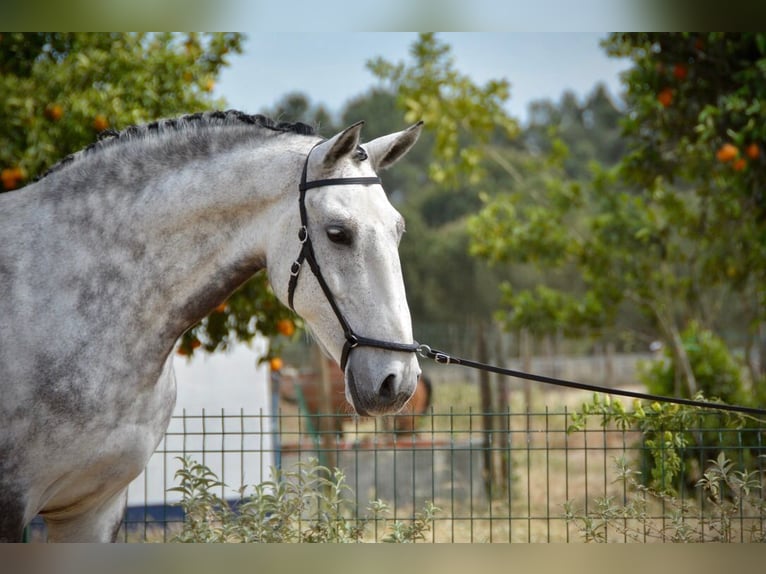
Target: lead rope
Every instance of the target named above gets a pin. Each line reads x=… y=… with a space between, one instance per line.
x=446 y=359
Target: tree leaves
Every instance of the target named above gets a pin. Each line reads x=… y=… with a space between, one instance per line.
x=462 y=115
x=54 y=86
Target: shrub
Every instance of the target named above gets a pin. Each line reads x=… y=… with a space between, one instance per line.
x=716 y=370
x=719 y=376
x=730 y=494
x=310 y=503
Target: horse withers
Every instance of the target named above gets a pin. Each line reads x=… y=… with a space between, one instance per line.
x=110 y=256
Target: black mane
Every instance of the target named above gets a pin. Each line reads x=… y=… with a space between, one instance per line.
x=200 y=119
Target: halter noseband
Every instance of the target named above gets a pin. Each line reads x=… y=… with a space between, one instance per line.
x=307 y=253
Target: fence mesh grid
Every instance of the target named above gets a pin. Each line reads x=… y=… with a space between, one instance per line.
x=533 y=478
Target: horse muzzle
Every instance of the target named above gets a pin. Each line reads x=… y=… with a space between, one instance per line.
x=374 y=395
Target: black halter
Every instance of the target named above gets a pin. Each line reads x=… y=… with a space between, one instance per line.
x=307 y=253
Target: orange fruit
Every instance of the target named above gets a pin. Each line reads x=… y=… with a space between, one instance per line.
x=753 y=151
x=11 y=177
x=275 y=363
x=286 y=327
x=726 y=153
x=739 y=164
x=221 y=308
x=54 y=112
x=208 y=85
x=665 y=97
x=100 y=123
x=680 y=72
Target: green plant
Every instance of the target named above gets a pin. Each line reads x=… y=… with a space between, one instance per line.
x=675 y=439
x=310 y=503
x=719 y=375
x=716 y=370
x=663 y=428
x=730 y=494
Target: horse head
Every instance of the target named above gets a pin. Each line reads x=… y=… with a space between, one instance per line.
x=354 y=302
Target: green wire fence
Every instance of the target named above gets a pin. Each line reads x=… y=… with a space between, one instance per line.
x=533 y=477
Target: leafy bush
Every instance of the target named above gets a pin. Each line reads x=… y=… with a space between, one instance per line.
x=675 y=439
x=720 y=376
x=730 y=495
x=716 y=370
x=308 y=504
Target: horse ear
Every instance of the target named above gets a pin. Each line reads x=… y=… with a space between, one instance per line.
x=340 y=145
x=385 y=151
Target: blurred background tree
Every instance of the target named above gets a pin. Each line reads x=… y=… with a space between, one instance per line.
x=58 y=91
x=676 y=228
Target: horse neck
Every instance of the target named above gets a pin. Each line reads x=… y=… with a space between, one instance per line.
x=174 y=245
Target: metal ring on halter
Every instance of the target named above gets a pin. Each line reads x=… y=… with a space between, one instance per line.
x=295 y=268
x=424 y=351
x=352 y=340
x=438 y=356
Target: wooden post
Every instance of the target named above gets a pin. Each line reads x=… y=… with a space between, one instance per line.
x=326 y=424
x=525 y=350
x=609 y=379
x=504 y=432
x=485 y=393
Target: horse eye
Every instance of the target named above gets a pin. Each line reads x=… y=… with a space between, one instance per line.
x=339 y=234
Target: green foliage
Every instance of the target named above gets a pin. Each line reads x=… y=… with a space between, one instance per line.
x=308 y=504
x=675 y=229
x=716 y=370
x=729 y=493
x=252 y=309
x=585 y=132
x=463 y=116
x=58 y=91
x=691 y=96
x=719 y=375
x=675 y=438
x=464 y=125
x=662 y=427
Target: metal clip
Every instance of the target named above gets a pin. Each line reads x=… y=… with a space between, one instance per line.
x=303 y=234
x=352 y=340
x=428 y=353
x=295 y=268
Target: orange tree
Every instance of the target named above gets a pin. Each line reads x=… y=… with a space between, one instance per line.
x=678 y=228
x=58 y=91
x=705 y=142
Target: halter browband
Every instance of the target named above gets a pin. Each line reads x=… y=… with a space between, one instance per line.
x=307 y=253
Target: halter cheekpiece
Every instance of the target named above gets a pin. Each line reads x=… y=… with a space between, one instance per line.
x=307 y=254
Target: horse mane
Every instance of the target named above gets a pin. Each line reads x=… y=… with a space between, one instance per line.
x=110 y=137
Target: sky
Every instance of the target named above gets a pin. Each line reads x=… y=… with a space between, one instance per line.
x=330 y=67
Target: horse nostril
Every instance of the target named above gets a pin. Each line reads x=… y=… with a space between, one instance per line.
x=387 y=390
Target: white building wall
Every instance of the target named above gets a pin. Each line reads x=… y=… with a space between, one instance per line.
x=232 y=391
